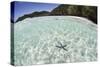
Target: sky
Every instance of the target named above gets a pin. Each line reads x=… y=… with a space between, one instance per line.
x=21 y=8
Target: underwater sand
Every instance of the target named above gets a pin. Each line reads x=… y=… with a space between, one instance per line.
x=54 y=39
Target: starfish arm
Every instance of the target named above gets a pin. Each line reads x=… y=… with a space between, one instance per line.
x=58 y=46
x=65 y=49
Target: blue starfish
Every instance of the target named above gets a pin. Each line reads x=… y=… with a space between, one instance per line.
x=62 y=46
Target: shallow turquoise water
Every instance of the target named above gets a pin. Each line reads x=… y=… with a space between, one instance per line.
x=35 y=40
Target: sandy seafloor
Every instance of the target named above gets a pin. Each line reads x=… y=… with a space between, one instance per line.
x=38 y=40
